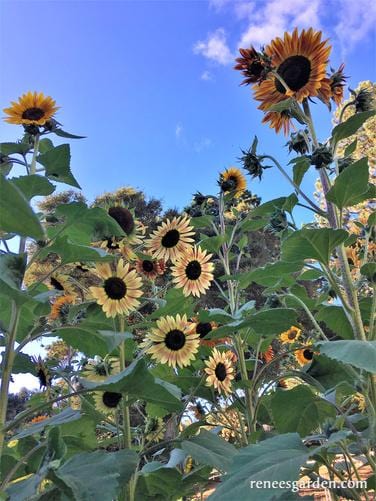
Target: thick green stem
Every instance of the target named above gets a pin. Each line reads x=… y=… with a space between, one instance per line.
x=33 y=165
x=244 y=376
x=7 y=364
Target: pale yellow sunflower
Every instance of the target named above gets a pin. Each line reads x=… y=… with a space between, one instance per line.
x=99 y=370
x=171 y=238
x=232 y=180
x=291 y=335
x=150 y=268
x=31 y=108
x=192 y=271
x=134 y=230
x=172 y=342
x=203 y=329
x=107 y=401
x=304 y=355
x=220 y=371
x=120 y=290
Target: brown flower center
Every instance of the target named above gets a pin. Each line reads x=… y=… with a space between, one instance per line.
x=292 y=334
x=175 y=340
x=123 y=217
x=111 y=399
x=115 y=288
x=308 y=354
x=203 y=328
x=220 y=371
x=33 y=114
x=170 y=239
x=193 y=270
x=147 y=265
x=295 y=71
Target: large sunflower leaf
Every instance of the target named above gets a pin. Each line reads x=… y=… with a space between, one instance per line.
x=95 y=476
x=278 y=458
x=71 y=252
x=335 y=318
x=351 y=125
x=351 y=186
x=360 y=354
x=56 y=161
x=33 y=185
x=312 y=244
x=313 y=410
x=16 y=215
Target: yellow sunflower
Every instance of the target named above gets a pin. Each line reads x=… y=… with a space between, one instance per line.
x=172 y=342
x=120 y=290
x=193 y=272
x=304 y=355
x=32 y=108
x=99 y=370
x=220 y=371
x=278 y=121
x=171 y=238
x=300 y=61
x=232 y=181
x=205 y=328
x=268 y=355
x=107 y=401
x=360 y=401
x=151 y=268
x=291 y=335
x=60 y=306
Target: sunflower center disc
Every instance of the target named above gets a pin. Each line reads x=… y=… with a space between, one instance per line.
x=147 y=265
x=33 y=114
x=220 y=372
x=292 y=335
x=175 y=340
x=171 y=238
x=111 y=399
x=203 y=329
x=193 y=270
x=111 y=244
x=123 y=217
x=115 y=288
x=295 y=71
x=308 y=354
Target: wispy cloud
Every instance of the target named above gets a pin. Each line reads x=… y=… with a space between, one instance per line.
x=202 y=144
x=207 y=75
x=215 y=47
x=178 y=130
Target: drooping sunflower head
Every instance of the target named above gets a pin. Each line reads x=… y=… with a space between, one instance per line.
x=134 y=230
x=291 y=335
x=193 y=271
x=42 y=372
x=107 y=401
x=150 y=267
x=220 y=371
x=120 y=290
x=32 y=108
x=172 y=341
x=232 y=181
x=171 y=239
x=304 y=355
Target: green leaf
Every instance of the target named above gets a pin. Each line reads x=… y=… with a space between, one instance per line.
x=16 y=215
x=175 y=302
x=139 y=384
x=268 y=208
x=329 y=373
x=312 y=244
x=65 y=416
x=351 y=186
x=369 y=270
x=271 y=322
x=278 y=458
x=351 y=125
x=61 y=133
x=95 y=476
x=286 y=104
x=335 y=318
x=72 y=253
x=56 y=444
x=290 y=203
x=301 y=166
x=349 y=150
x=212 y=244
x=201 y=221
x=45 y=144
x=56 y=161
x=90 y=341
x=300 y=410
x=23 y=364
x=209 y=449
x=271 y=275
x=360 y=354
x=11 y=148
x=33 y=185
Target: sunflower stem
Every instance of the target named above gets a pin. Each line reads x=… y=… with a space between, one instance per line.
x=35 y=153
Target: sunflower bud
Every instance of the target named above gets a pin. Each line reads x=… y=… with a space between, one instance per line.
x=252 y=164
x=298 y=142
x=363 y=100
x=199 y=198
x=31 y=129
x=321 y=157
x=51 y=124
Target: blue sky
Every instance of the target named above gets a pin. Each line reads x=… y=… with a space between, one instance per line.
x=151 y=84
x=152 y=87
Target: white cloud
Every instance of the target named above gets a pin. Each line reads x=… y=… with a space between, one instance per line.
x=215 y=47
x=203 y=144
x=206 y=75
x=218 y=4
x=178 y=130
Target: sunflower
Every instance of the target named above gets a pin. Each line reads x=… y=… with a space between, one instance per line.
x=220 y=371
x=268 y=355
x=332 y=87
x=39 y=419
x=193 y=271
x=278 y=121
x=171 y=238
x=172 y=342
x=203 y=329
x=60 y=307
x=107 y=401
x=32 y=108
x=42 y=372
x=360 y=401
x=117 y=246
x=154 y=430
x=133 y=229
x=61 y=283
x=290 y=335
x=252 y=65
x=304 y=355
x=151 y=268
x=232 y=181
x=120 y=290
x=99 y=370
x=289 y=383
